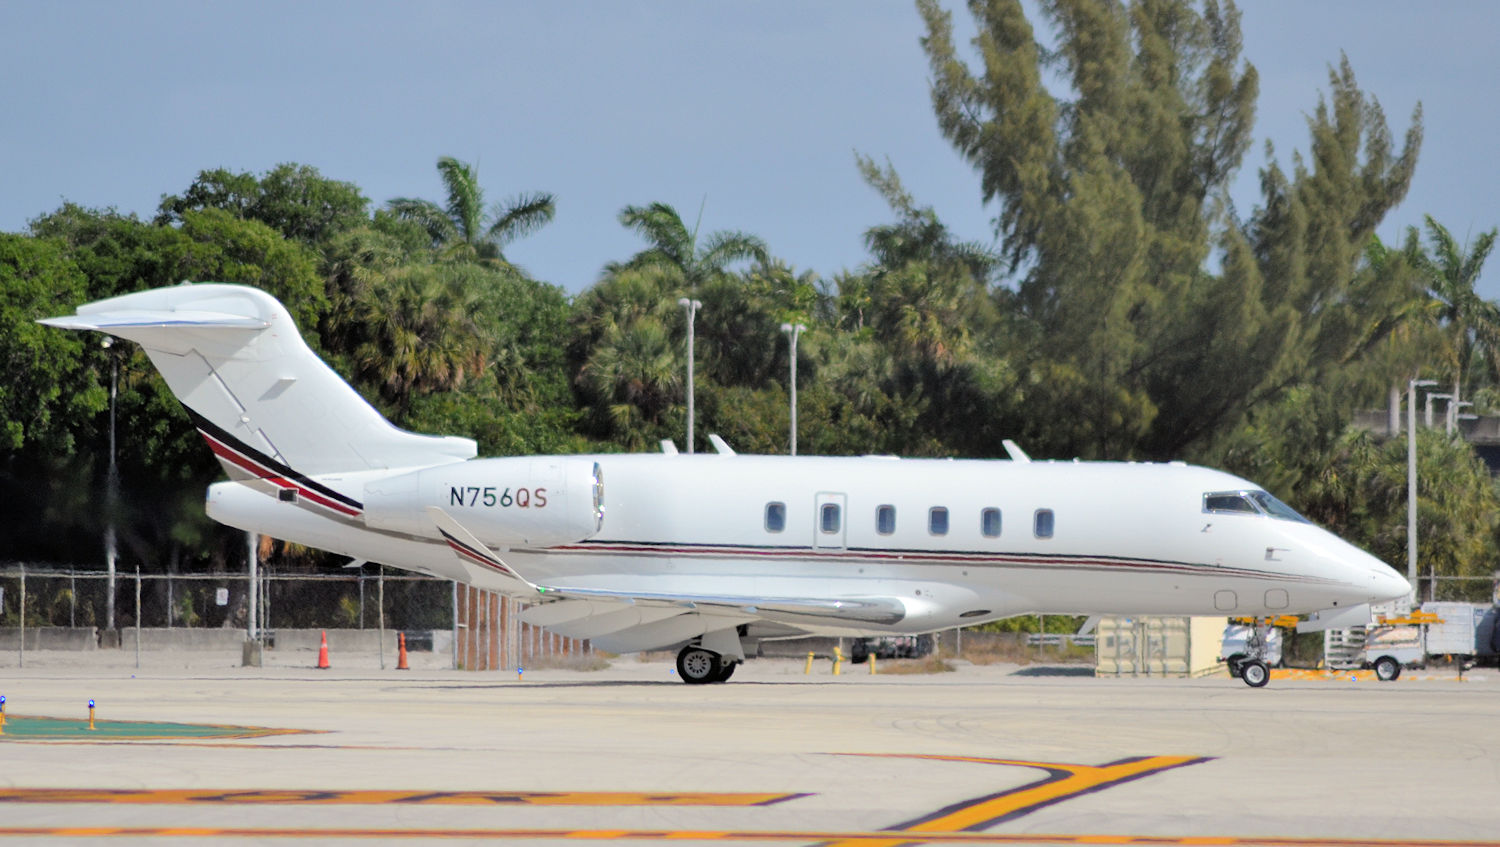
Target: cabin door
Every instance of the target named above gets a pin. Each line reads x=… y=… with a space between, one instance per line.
x=830 y=521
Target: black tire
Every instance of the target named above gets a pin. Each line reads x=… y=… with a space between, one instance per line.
x=1255 y=673
x=1387 y=668
x=859 y=653
x=697 y=666
x=726 y=671
x=1235 y=662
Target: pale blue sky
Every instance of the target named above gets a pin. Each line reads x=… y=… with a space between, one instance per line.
x=755 y=107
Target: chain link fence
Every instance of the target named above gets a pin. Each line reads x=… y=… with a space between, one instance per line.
x=356 y=600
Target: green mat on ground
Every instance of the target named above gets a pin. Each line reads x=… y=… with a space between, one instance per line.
x=22 y=728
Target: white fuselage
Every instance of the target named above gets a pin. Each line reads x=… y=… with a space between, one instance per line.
x=1126 y=538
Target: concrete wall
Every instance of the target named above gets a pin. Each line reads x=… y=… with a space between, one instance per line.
x=185 y=640
x=50 y=638
x=182 y=639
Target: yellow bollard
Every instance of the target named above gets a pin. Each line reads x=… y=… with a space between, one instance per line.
x=91 y=715
x=872 y=664
x=807 y=670
x=838 y=658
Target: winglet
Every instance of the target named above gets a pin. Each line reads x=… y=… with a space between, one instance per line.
x=472 y=550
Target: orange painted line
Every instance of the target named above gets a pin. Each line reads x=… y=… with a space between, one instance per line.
x=1063 y=781
x=279 y=797
x=857 y=837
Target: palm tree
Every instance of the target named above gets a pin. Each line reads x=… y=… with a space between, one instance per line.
x=420 y=335
x=1472 y=322
x=674 y=246
x=463 y=228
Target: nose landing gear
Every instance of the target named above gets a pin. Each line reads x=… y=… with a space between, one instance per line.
x=1250 y=666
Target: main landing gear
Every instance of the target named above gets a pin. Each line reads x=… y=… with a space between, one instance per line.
x=697 y=666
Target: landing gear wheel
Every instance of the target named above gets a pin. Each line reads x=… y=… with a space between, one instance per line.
x=1255 y=673
x=697 y=666
x=1387 y=668
x=727 y=671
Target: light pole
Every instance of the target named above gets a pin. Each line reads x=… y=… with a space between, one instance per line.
x=1455 y=414
x=1411 y=482
x=792 y=331
x=691 y=307
x=111 y=490
x=1427 y=413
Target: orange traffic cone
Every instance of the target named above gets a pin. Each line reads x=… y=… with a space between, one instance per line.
x=401 y=653
x=323 y=652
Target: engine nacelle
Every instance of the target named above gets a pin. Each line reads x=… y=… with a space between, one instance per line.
x=515 y=502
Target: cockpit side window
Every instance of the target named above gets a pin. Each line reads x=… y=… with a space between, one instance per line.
x=1252 y=502
x=1275 y=508
x=1230 y=502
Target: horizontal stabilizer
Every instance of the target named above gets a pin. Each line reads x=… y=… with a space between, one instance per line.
x=234 y=358
x=130 y=318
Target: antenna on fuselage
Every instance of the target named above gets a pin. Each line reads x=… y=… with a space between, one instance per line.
x=668 y=447
x=1014 y=451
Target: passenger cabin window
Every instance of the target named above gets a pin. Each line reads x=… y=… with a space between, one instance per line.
x=989 y=523
x=885 y=520
x=775 y=517
x=828 y=519
x=937 y=520
x=1043 y=523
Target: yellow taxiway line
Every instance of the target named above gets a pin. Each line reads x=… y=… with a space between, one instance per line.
x=281 y=797
x=862 y=838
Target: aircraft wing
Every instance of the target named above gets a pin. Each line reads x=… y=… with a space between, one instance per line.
x=789 y=610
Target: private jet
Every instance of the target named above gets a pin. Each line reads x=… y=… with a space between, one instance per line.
x=710 y=554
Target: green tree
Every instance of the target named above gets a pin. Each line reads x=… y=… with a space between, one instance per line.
x=47 y=395
x=462 y=228
x=1113 y=199
x=1470 y=322
x=676 y=247
x=295 y=200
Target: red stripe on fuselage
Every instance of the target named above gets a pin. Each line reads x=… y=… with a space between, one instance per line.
x=234 y=457
x=936 y=557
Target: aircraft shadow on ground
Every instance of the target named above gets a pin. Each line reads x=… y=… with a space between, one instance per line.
x=1056 y=670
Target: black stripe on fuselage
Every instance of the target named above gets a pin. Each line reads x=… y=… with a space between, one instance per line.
x=210 y=428
x=951 y=558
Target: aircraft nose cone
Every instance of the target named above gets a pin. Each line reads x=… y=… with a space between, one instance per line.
x=1386 y=584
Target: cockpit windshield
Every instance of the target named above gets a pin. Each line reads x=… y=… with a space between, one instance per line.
x=1251 y=502
x=1275 y=508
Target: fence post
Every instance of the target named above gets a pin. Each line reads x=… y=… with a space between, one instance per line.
x=138 y=617
x=21 y=658
x=252 y=543
x=381 y=602
x=455 y=618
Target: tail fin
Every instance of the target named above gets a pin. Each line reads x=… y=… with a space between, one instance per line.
x=233 y=357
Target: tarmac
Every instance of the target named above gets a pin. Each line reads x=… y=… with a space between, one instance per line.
x=995 y=754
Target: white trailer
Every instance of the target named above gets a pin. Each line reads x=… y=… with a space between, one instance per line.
x=1464 y=631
